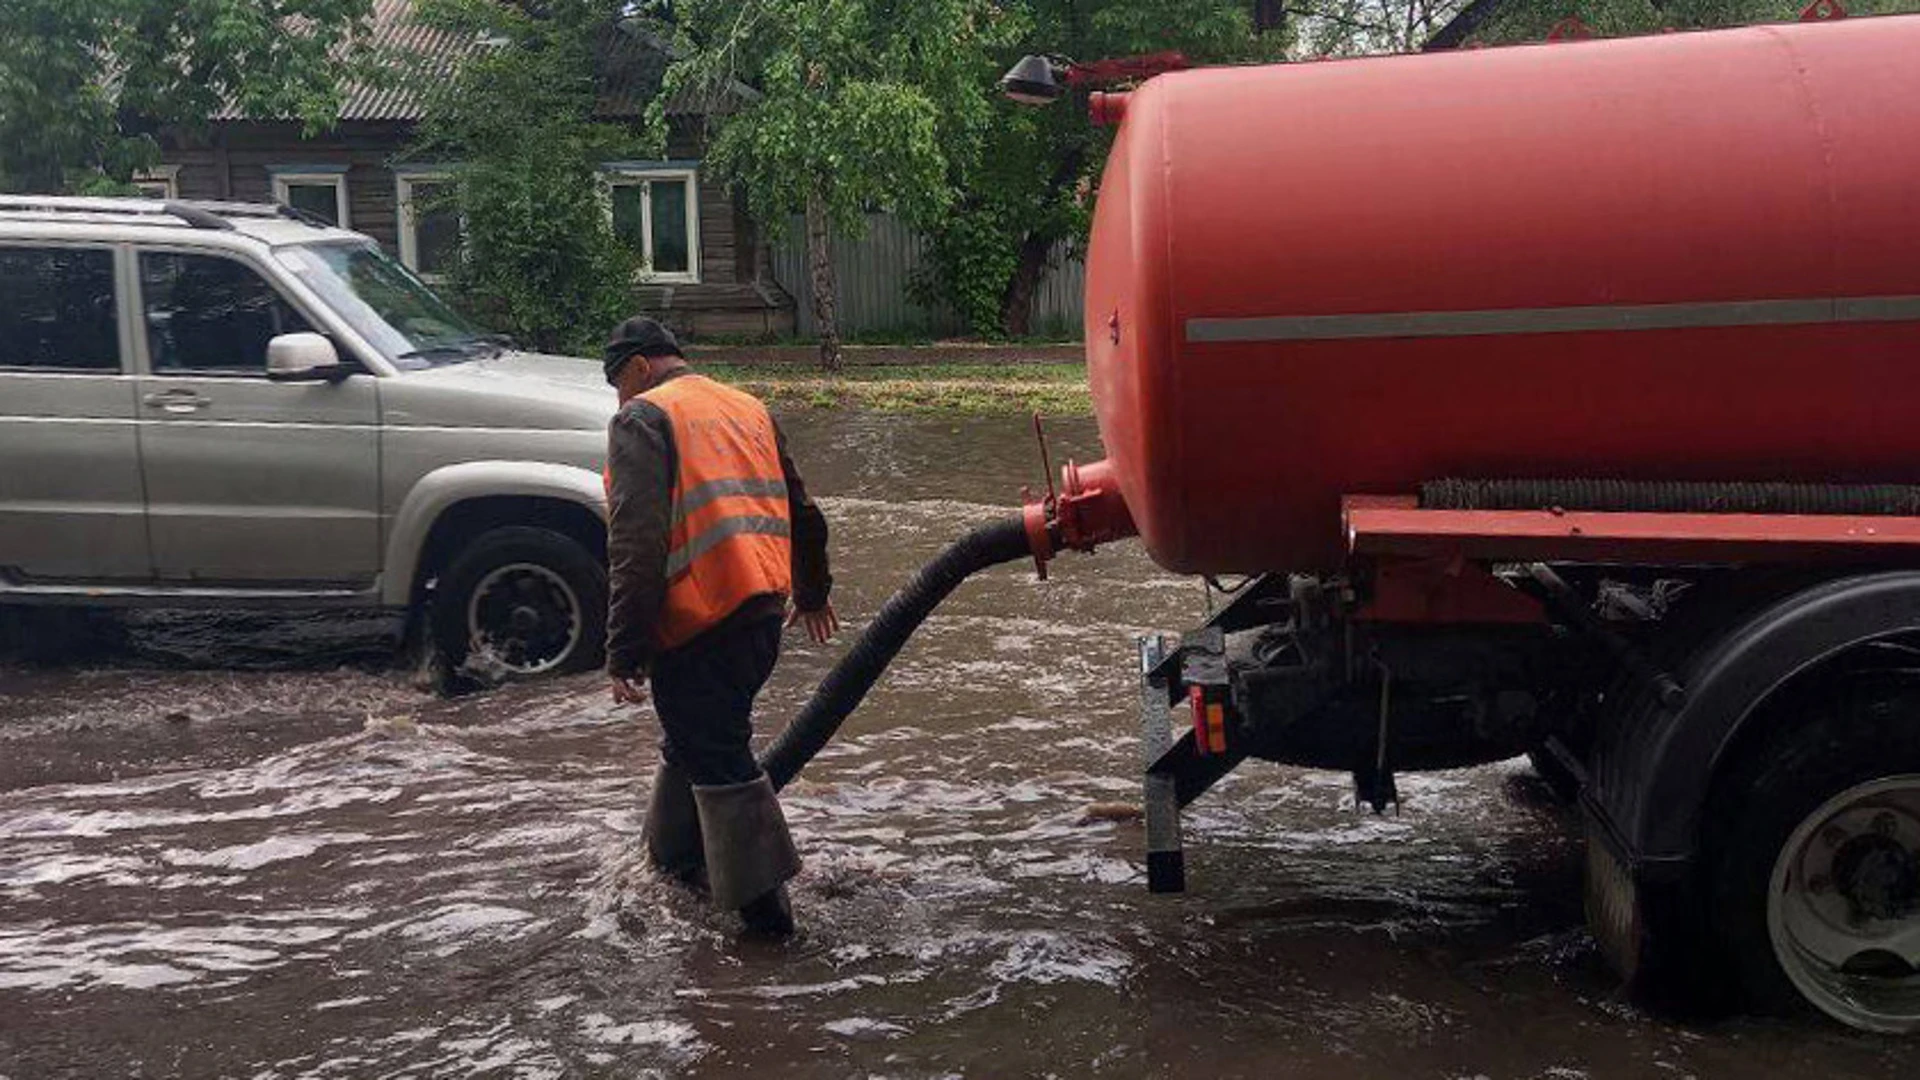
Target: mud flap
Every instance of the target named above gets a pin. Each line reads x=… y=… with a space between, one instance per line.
x=1166 y=862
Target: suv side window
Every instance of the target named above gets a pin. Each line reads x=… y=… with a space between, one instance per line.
x=57 y=310
x=209 y=314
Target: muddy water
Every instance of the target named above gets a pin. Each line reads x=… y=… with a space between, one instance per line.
x=244 y=847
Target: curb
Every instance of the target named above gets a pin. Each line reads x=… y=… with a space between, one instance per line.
x=892 y=355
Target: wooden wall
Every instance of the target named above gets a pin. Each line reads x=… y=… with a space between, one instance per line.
x=736 y=294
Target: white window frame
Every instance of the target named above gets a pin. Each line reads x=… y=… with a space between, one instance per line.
x=167 y=176
x=623 y=175
x=405 y=224
x=335 y=178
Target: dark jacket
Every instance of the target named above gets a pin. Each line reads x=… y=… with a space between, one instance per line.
x=643 y=463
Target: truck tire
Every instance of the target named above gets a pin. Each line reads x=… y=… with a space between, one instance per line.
x=1813 y=864
x=521 y=602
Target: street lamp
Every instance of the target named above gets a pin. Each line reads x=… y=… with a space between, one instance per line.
x=1042 y=80
x=1033 y=81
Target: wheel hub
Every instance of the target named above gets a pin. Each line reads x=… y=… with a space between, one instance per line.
x=1878 y=878
x=1843 y=911
x=525 y=618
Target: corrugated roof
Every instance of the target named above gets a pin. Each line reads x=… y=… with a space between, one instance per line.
x=628 y=68
x=396 y=31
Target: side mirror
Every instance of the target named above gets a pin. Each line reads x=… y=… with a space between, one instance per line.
x=303 y=357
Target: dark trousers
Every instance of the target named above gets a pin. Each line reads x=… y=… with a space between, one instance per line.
x=704 y=695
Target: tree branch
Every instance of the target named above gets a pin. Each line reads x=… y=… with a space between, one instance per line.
x=1462 y=25
x=1347 y=21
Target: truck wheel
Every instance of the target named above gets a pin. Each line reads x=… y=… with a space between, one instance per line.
x=1817 y=868
x=521 y=602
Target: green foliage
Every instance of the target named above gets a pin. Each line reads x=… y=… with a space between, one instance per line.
x=1028 y=174
x=538 y=257
x=1533 y=19
x=1356 y=27
x=854 y=100
x=86 y=84
x=854 y=106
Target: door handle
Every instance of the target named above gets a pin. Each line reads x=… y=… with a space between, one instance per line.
x=179 y=400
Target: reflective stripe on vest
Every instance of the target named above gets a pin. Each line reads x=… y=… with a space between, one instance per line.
x=731 y=530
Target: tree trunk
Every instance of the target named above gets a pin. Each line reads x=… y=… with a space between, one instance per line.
x=1016 y=304
x=826 y=296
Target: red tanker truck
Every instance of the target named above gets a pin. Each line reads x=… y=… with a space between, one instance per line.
x=1560 y=400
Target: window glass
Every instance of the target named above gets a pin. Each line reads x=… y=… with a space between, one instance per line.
x=387 y=305
x=206 y=313
x=669 y=226
x=57 y=309
x=322 y=200
x=436 y=227
x=650 y=217
x=629 y=216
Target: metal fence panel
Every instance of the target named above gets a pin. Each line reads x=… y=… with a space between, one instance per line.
x=875 y=269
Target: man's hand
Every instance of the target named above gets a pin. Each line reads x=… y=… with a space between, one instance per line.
x=821 y=625
x=629 y=691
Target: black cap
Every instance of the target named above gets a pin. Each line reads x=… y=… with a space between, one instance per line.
x=638 y=336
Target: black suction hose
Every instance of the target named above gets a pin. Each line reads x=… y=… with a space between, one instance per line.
x=844 y=687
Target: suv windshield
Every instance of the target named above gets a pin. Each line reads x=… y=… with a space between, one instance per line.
x=391 y=308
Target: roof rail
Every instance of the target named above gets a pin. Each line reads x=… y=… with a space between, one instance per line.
x=198 y=217
x=70 y=204
x=236 y=209
x=194 y=213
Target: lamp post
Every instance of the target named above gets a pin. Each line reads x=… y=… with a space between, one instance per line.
x=1042 y=80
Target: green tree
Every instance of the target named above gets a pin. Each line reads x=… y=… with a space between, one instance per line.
x=857 y=106
x=1027 y=179
x=85 y=85
x=1354 y=27
x=538 y=258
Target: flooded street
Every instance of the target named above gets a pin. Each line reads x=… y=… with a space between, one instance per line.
x=250 y=847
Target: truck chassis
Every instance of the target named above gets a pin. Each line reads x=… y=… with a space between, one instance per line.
x=1733 y=698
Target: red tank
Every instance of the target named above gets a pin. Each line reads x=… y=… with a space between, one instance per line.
x=1687 y=257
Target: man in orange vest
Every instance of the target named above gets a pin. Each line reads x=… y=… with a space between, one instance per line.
x=710 y=537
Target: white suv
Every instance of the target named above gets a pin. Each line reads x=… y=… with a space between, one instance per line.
x=212 y=403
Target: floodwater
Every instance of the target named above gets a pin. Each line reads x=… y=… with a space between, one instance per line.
x=250 y=847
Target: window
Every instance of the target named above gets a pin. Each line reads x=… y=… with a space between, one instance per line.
x=57 y=310
x=387 y=305
x=656 y=212
x=210 y=314
x=161 y=182
x=317 y=190
x=429 y=223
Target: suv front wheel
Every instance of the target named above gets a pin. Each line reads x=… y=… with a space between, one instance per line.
x=521 y=602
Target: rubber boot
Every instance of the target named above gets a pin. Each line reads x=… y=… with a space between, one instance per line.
x=672 y=828
x=750 y=853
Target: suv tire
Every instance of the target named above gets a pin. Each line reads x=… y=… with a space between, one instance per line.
x=533 y=600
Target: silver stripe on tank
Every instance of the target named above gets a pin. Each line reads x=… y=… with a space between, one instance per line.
x=1556 y=320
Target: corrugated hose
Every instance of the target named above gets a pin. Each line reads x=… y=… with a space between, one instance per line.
x=847 y=684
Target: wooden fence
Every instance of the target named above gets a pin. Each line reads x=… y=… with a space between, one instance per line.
x=874 y=271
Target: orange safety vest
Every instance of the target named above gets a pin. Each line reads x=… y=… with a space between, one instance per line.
x=731 y=538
